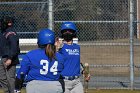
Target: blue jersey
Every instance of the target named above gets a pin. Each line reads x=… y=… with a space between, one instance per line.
x=37 y=66
x=72 y=60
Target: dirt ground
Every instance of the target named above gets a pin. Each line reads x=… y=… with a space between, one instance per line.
x=99 y=91
x=109 y=55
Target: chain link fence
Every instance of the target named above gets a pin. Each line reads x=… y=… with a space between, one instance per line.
x=29 y=16
x=104 y=34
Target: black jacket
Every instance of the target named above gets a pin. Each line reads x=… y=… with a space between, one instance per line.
x=12 y=45
x=2 y=45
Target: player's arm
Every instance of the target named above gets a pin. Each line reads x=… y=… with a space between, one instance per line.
x=81 y=68
x=25 y=63
x=19 y=83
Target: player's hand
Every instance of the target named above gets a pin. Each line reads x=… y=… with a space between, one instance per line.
x=87 y=78
x=19 y=82
x=8 y=62
x=86 y=72
x=58 y=43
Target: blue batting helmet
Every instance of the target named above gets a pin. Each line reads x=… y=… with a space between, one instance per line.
x=68 y=25
x=46 y=36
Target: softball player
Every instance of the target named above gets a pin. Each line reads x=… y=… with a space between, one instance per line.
x=71 y=51
x=42 y=66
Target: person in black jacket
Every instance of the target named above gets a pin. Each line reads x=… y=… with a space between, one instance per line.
x=11 y=51
x=3 y=79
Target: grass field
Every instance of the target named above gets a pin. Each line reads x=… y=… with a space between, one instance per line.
x=100 y=91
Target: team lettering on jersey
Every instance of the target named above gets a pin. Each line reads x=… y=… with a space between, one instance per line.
x=72 y=51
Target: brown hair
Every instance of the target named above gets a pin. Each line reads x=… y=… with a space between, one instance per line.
x=50 y=51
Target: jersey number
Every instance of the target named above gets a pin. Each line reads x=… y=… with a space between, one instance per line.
x=45 y=69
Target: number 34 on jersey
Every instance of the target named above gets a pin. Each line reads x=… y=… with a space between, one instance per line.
x=46 y=68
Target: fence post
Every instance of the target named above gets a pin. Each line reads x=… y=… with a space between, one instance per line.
x=50 y=15
x=131 y=43
x=138 y=18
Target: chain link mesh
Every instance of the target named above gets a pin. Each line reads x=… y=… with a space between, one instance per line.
x=29 y=16
x=104 y=34
x=95 y=18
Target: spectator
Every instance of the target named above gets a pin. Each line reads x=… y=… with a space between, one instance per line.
x=10 y=60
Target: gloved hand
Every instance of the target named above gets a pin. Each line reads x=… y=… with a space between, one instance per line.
x=19 y=82
x=86 y=72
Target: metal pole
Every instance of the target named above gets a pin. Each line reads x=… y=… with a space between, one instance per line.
x=131 y=43
x=50 y=15
x=138 y=25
